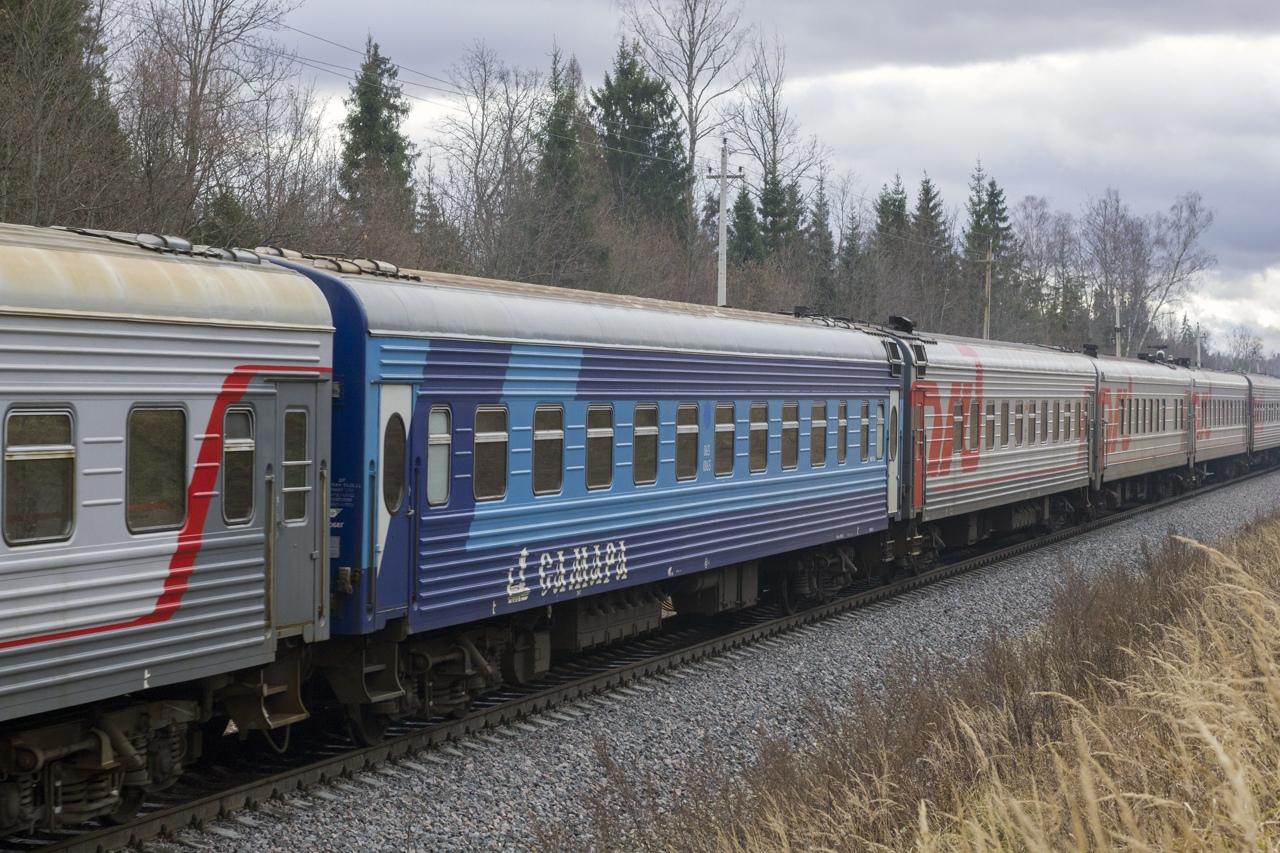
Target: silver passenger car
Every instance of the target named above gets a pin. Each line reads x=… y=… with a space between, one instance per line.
x=165 y=432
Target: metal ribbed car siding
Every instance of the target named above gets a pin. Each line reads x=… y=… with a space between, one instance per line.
x=1266 y=392
x=1141 y=452
x=968 y=370
x=1217 y=441
x=74 y=624
x=470 y=555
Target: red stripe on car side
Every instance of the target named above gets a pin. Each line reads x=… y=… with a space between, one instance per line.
x=199 y=494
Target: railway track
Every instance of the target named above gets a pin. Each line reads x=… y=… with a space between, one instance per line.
x=325 y=763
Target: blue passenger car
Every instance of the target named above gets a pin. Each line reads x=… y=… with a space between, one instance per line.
x=499 y=447
x=547 y=456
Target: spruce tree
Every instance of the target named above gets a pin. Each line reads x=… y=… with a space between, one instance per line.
x=563 y=225
x=891 y=217
x=560 y=151
x=65 y=158
x=781 y=212
x=1013 y=305
x=377 y=158
x=639 y=128
x=745 y=243
x=821 y=251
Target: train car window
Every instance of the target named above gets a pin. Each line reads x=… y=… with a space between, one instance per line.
x=1005 y=424
x=818 y=435
x=155 y=485
x=296 y=465
x=393 y=462
x=975 y=424
x=1044 y=421
x=1079 y=420
x=724 y=439
x=865 y=431
x=548 y=450
x=893 y=434
x=758 y=451
x=790 y=435
x=238 y=451
x=644 y=443
x=990 y=425
x=687 y=441
x=957 y=427
x=880 y=431
x=842 y=433
x=1017 y=423
x=1057 y=421
x=439 y=455
x=489 y=456
x=39 y=477
x=599 y=446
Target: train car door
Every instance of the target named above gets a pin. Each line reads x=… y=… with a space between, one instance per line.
x=894 y=436
x=394 y=547
x=920 y=449
x=296 y=509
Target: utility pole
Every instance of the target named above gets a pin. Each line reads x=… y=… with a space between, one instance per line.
x=1198 y=364
x=722 y=298
x=986 y=315
x=1118 y=351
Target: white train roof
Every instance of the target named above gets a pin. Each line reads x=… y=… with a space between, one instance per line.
x=1220 y=379
x=955 y=351
x=449 y=306
x=53 y=272
x=1115 y=369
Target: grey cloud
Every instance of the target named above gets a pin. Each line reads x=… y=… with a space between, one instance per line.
x=946 y=32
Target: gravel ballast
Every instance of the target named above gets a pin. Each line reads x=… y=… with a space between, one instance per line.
x=488 y=792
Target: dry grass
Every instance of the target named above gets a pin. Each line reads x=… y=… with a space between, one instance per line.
x=1145 y=715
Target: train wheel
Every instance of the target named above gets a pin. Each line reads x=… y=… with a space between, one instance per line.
x=131 y=800
x=364 y=725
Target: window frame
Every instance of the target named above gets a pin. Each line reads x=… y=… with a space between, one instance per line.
x=239 y=445
x=438 y=439
x=758 y=438
x=601 y=438
x=305 y=465
x=130 y=461
x=548 y=435
x=817 y=445
x=791 y=435
x=490 y=437
x=687 y=440
x=722 y=451
x=20 y=453
x=648 y=433
x=842 y=432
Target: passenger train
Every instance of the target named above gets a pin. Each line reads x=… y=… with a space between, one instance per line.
x=240 y=486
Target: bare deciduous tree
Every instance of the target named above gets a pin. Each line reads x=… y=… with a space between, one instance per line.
x=761 y=123
x=194 y=84
x=1049 y=263
x=1145 y=266
x=488 y=156
x=692 y=45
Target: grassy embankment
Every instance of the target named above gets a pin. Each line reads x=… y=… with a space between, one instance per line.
x=1145 y=715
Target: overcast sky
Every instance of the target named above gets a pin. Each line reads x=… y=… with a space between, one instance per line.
x=1064 y=100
